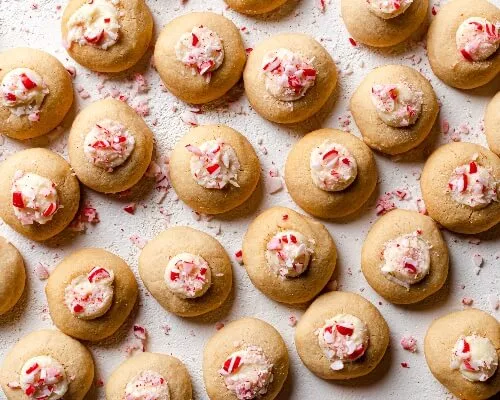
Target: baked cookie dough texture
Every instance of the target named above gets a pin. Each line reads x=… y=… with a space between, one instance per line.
x=341 y=336
x=90 y=294
x=383 y=23
x=150 y=376
x=47 y=364
x=460 y=183
x=404 y=257
x=463 y=41
x=36 y=93
x=187 y=271
x=330 y=173
x=492 y=124
x=462 y=351
x=39 y=196
x=107 y=35
x=12 y=276
x=289 y=257
x=110 y=146
x=214 y=169
x=200 y=56
x=289 y=77
x=253 y=7
x=395 y=108
x=247 y=359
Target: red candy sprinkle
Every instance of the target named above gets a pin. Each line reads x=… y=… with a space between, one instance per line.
x=411 y=267
x=98 y=275
x=344 y=330
x=30 y=390
x=464 y=177
x=51 y=209
x=330 y=153
x=293 y=239
x=96 y=39
x=468 y=366
x=352 y=41
x=17 y=200
x=11 y=97
x=212 y=168
x=174 y=276
x=78 y=308
x=195 y=40
x=130 y=208
x=466 y=55
x=466 y=348
x=107 y=20
x=236 y=364
x=472 y=167
x=27 y=82
x=357 y=353
x=32 y=369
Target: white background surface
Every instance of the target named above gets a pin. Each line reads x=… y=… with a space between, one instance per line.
x=22 y=24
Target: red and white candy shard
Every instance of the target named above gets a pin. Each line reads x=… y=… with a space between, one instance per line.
x=43 y=377
x=477 y=38
x=343 y=338
x=34 y=198
x=188 y=275
x=247 y=373
x=147 y=385
x=96 y=23
x=90 y=296
x=387 y=9
x=288 y=75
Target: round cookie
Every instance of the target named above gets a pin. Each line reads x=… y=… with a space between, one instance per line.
x=200 y=56
x=248 y=357
x=213 y=169
x=110 y=147
x=341 y=336
x=289 y=257
x=492 y=124
x=150 y=374
x=455 y=347
x=395 y=108
x=459 y=185
x=187 y=271
x=107 y=36
x=404 y=257
x=90 y=294
x=12 y=276
x=461 y=54
x=48 y=353
x=289 y=77
x=253 y=7
x=380 y=23
x=330 y=173
x=39 y=196
x=36 y=93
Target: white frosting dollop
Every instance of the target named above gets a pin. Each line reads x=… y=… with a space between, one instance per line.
x=397 y=105
x=23 y=91
x=387 y=9
x=95 y=23
x=188 y=275
x=343 y=339
x=333 y=167
x=90 y=296
x=475 y=357
x=406 y=259
x=43 y=377
x=288 y=75
x=288 y=253
x=247 y=373
x=473 y=185
x=34 y=198
x=201 y=50
x=477 y=38
x=108 y=144
x=147 y=385
x=214 y=164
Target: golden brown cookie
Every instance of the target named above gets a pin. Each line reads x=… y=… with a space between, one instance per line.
x=288 y=256
x=395 y=108
x=380 y=23
x=461 y=51
x=36 y=93
x=214 y=168
x=459 y=185
x=341 y=336
x=187 y=271
x=247 y=357
x=330 y=173
x=289 y=77
x=107 y=36
x=404 y=257
x=12 y=276
x=90 y=294
x=492 y=124
x=39 y=196
x=200 y=56
x=110 y=147
x=462 y=351
x=150 y=376
x=43 y=354
x=253 y=7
